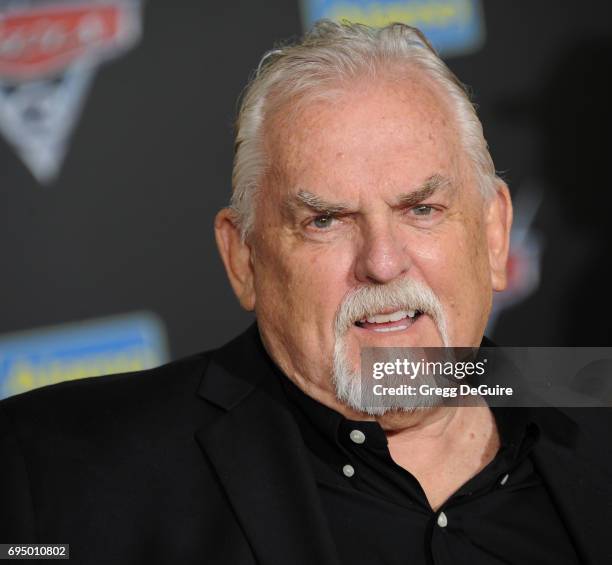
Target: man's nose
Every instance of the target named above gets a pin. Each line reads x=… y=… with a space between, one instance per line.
x=383 y=255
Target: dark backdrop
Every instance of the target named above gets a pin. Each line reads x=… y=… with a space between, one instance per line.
x=127 y=224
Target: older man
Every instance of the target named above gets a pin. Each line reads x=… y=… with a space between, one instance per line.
x=365 y=212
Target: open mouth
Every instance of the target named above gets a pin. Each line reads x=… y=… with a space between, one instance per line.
x=390 y=322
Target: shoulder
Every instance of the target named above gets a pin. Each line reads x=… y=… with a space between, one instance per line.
x=594 y=424
x=150 y=401
x=585 y=431
x=104 y=441
x=87 y=405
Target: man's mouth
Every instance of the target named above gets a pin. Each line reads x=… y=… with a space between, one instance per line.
x=391 y=321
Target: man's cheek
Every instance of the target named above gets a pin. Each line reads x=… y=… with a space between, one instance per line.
x=431 y=246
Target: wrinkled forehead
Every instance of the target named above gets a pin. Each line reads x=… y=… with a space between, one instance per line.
x=394 y=131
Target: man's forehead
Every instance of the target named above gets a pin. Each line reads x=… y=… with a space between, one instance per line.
x=337 y=151
x=415 y=102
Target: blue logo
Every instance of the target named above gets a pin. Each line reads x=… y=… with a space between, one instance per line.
x=117 y=344
x=453 y=27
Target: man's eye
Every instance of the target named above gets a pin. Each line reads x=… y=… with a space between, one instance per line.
x=322 y=222
x=422 y=210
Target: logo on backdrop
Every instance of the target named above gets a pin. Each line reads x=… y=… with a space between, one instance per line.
x=453 y=27
x=49 y=52
x=100 y=346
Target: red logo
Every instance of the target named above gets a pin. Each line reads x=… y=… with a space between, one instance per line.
x=46 y=41
x=43 y=41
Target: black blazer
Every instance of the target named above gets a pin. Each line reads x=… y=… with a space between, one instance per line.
x=199 y=461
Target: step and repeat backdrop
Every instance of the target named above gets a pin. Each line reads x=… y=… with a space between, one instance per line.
x=116 y=148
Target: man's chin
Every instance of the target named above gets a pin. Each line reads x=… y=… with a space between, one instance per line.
x=349 y=381
x=390 y=417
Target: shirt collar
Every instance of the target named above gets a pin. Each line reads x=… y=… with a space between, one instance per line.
x=517 y=430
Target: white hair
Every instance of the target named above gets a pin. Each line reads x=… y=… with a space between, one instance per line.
x=326 y=57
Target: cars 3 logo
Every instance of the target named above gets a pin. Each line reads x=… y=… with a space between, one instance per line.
x=49 y=52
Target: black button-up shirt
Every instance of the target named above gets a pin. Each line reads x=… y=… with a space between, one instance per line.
x=378 y=512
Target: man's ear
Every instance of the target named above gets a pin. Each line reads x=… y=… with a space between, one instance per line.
x=499 y=223
x=236 y=256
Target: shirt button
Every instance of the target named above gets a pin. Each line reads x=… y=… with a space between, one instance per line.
x=348 y=470
x=504 y=479
x=442 y=520
x=357 y=436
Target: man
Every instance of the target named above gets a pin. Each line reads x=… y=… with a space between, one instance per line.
x=365 y=212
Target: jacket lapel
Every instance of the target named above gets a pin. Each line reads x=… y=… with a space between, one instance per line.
x=579 y=489
x=259 y=456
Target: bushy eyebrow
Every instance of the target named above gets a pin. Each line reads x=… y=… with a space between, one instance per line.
x=313 y=202
x=305 y=199
x=427 y=189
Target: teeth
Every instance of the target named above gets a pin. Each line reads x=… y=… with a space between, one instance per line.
x=393 y=317
x=394 y=329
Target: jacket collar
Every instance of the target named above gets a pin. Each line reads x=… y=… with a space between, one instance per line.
x=578 y=487
x=256 y=449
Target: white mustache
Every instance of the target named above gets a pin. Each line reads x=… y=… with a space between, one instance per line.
x=365 y=301
x=400 y=294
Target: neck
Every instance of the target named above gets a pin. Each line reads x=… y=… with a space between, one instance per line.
x=431 y=423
